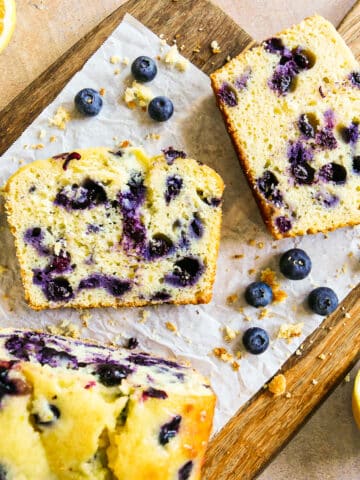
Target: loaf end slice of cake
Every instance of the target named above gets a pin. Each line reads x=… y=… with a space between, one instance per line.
x=98 y=228
x=74 y=410
x=292 y=109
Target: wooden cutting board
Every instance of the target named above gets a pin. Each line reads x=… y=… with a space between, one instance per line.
x=264 y=424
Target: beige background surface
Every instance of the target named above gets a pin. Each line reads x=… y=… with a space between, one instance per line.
x=328 y=447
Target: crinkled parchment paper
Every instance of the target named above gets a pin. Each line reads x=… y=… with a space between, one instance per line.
x=197 y=128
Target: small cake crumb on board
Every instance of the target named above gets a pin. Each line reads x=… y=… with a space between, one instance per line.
x=277 y=386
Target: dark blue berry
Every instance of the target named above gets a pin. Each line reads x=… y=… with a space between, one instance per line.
x=58 y=290
x=295 y=264
x=171 y=154
x=161 y=296
x=185 y=471
x=227 y=94
x=132 y=343
x=258 y=294
x=196 y=226
x=356 y=164
x=274 y=45
x=161 y=108
x=355 y=79
x=186 y=272
x=159 y=246
x=283 y=224
x=173 y=186
x=307 y=125
x=267 y=185
x=144 y=69
x=47 y=423
x=303 y=173
x=256 y=340
x=154 y=393
x=333 y=172
x=323 y=300
x=297 y=153
x=350 y=134
x=112 y=375
x=55 y=358
x=169 y=430
x=88 y=102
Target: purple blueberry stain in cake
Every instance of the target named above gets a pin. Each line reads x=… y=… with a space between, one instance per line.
x=32 y=189
x=60 y=263
x=283 y=224
x=350 y=134
x=356 y=164
x=154 y=393
x=211 y=201
x=9 y=386
x=171 y=154
x=325 y=139
x=307 y=126
x=35 y=237
x=267 y=185
x=354 y=78
x=169 y=430
x=298 y=154
x=145 y=360
x=40 y=421
x=281 y=81
x=132 y=343
x=159 y=246
x=161 y=296
x=118 y=153
x=274 y=45
x=174 y=185
x=333 y=172
x=112 y=374
x=113 y=285
x=227 y=95
x=55 y=358
x=58 y=289
x=196 y=226
x=242 y=81
x=92 y=228
x=327 y=199
x=303 y=173
x=185 y=471
x=80 y=197
x=186 y=272
x=329 y=117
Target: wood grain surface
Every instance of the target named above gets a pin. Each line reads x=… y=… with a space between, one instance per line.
x=264 y=425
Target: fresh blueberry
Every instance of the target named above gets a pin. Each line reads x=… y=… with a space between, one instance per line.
x=159 y=246
x=333 y=172
x=88 y=102
x=174 y=184
x=256 y=340
x=323 y=300
x=295 y=264
x=356 y=164
x=169 y=430
x=258 y=294
x=186 y=272
x=185 y=470
x=161 y=108
x=48 y=422
x=112 y=375
x=58 y=290
x=144 y=69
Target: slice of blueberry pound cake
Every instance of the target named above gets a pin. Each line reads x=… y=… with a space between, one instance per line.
x=74 y=410
x=99 y=228
x=292 y=109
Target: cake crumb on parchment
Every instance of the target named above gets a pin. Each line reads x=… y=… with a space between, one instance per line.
x=66 y=328
x=171 y=326
x=288 y=331
x=269 y=276
x=60 y=118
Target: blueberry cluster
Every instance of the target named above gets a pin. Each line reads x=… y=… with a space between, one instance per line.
x=295 y=264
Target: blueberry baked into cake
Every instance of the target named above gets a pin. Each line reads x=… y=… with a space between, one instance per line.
x=292 y=109
x=99 y=228
x=71 y=410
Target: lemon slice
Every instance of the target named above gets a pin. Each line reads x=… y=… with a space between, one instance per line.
x=356 y=399
x=7 y=21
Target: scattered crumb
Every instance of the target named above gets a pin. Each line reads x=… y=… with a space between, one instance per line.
x=251 y=271
x=144 y=315
x=26 y=146
x=277 y=386
x=52 y=139
x=64 y=328
x=322 y=356
x=215 y=47
x=347 y=315
x=288 y=331
x=170 y=326
x=263 y=313
x=102 y=91
x=269 y=276
x=222 y=354
x=347 y=378
x=3 y=269
x=173 y=58
x=114 y=59
x=42 y=133
x=237 y=256
x=152 y=136
x=85 y=317
x=125 y=61
x=287 y=395
x=229 y=334
x=125 y=143
x=60 y=118
x=314 y=381
x=235 y=365
x=137 y=95
x=228 y=58
x=260 y=245
x=38 y=146
x=251 y=242
x=116 y=71
x=21 y=161
x=232 y=298
x=196 y=49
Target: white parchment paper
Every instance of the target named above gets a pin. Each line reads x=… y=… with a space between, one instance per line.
x=197 y=128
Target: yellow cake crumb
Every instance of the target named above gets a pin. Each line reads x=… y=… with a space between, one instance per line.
x=66 y=328
x=252 y=242
x=277 y=386
x=229 y=334
x=215 y=47
x=114 y=59
x=263 y=313
x=288 y=331
x=138 y=95
x=196 y=49
x=237 y=256
x=125 y=61
x=269 y=276
x=152 y=136
x=85 y=317
x=347 y=378
x=60 y=118
x=42 y=134
x=322 y=356
x=314 y=381
x=222 y=354
x=170 y=326
x=52 y=139
x=251 y=271
x=235 y=365
x=37 y=146
x=231 y=298
x=260 y=245
x=116 y=71
x=288 y=395
x=173 y=58
x=102 y=91
x=144 y=315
